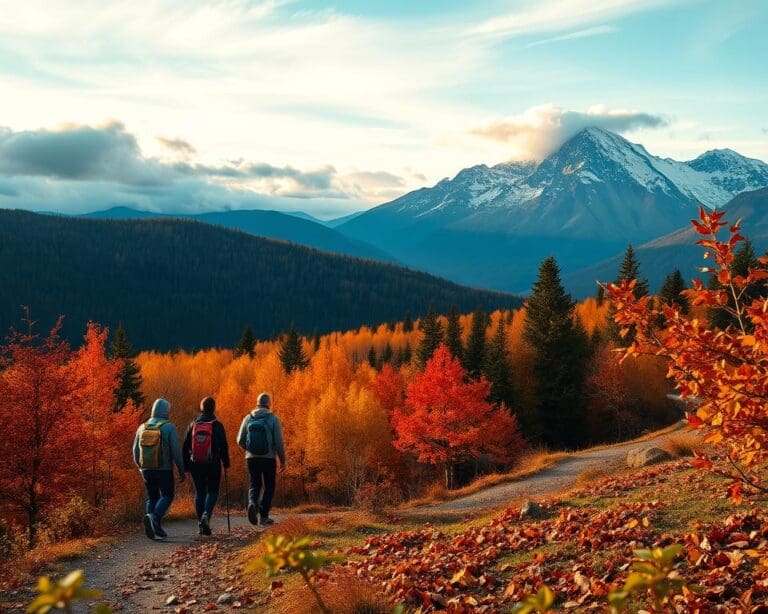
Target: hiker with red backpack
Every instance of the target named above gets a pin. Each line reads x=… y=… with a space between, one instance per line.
x=155 y=451
x=261 y=436
x=205 y=450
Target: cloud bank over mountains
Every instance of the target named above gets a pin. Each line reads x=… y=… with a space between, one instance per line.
x=79 y=168
x=543 y=129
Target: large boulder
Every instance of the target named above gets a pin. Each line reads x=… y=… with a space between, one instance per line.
x=531 y=510
x=642 y=457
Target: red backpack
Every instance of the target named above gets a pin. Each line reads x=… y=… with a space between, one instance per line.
x=202 y=442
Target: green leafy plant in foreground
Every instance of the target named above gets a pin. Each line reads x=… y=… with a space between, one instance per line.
x=61 y=594
x=653 y=572
x=284 y=553
x=540 y=602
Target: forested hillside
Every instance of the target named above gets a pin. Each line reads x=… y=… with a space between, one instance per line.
x=176 y=283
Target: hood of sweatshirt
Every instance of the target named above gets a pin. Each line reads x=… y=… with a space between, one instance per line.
x=261 y=412
x=160 y=410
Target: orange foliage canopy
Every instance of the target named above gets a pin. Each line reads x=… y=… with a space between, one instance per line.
x=724 y=371
x=447 y=419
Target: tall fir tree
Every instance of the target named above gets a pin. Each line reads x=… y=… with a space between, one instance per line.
x=386 y=356
x=433 y=336
x=497 y=367
x=408 y=323
x=474 y=356
x=129 y=388
x=453 y=335
x=292 y=351
x=744 y=259
x=560 y=357
x=372 y=358
x=246 y=345
x=671 y=289
x=600 y=295
x=404 y=355
x=628 y=270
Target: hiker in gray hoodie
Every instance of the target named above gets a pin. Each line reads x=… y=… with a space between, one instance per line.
x=261 y=436
x=155 y=451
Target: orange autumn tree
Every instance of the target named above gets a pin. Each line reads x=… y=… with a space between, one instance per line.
x=42 y=445
x=108 y=433
x=724 y=371
x=447 y=419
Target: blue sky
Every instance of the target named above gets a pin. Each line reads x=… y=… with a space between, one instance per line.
x=330 y=107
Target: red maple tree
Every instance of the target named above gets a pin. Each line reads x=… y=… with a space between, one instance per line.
x=447 y=419
x=42 y=444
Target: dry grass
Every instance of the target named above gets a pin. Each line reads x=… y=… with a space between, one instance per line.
x=531 y=462
x=344 y=594
x=310 y=508
x=612 y=469
x=684 y=443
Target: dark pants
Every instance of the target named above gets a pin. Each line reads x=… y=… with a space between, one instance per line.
x=207 y=477
x=262 y=473
x=159 y=486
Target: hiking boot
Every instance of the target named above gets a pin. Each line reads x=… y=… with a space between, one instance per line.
x=266 y=521
x=159 y=533
x=253 y=514
x=149 y=526
x=205 y=527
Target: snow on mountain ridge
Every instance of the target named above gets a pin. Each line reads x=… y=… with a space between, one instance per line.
x=593 y=156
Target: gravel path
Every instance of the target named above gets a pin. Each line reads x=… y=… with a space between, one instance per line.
x=559 y=478
x=110 y=568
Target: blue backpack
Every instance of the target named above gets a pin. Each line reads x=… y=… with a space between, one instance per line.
x=257 y=439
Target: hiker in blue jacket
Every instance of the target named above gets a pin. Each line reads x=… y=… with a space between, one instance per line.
x=205 y=450
x=261 y=436
x=155 y=451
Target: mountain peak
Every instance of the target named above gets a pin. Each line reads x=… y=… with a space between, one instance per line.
x=718 y=160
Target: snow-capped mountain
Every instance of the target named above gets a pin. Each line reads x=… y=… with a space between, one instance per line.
x=582 y=203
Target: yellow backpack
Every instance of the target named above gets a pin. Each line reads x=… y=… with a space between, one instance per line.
x=151 y=446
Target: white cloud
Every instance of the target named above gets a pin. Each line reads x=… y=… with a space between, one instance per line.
x=536 y=16
x=540 y=130
x=587 y=33
x=74 y=167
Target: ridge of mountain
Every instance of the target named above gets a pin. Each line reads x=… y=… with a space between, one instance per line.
x=492 y=225
x=178 y=283
x=299 y=229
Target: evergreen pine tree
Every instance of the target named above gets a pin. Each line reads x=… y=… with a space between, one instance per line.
x=600 y=295
x=129 y=387
x=453 y=335
x=404 y=355
x=474 y=355
x=246 y=344
x=386 y=356
x=671 y=289
x=629 y=270
x=433 y=336
x=744 y=259
x=560 y=356
x=316 y=341
x=292 y=352
x=408 y=323
x=372 y=359
x=497 y=368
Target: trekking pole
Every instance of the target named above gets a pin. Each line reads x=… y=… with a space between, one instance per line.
x=226 y=499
